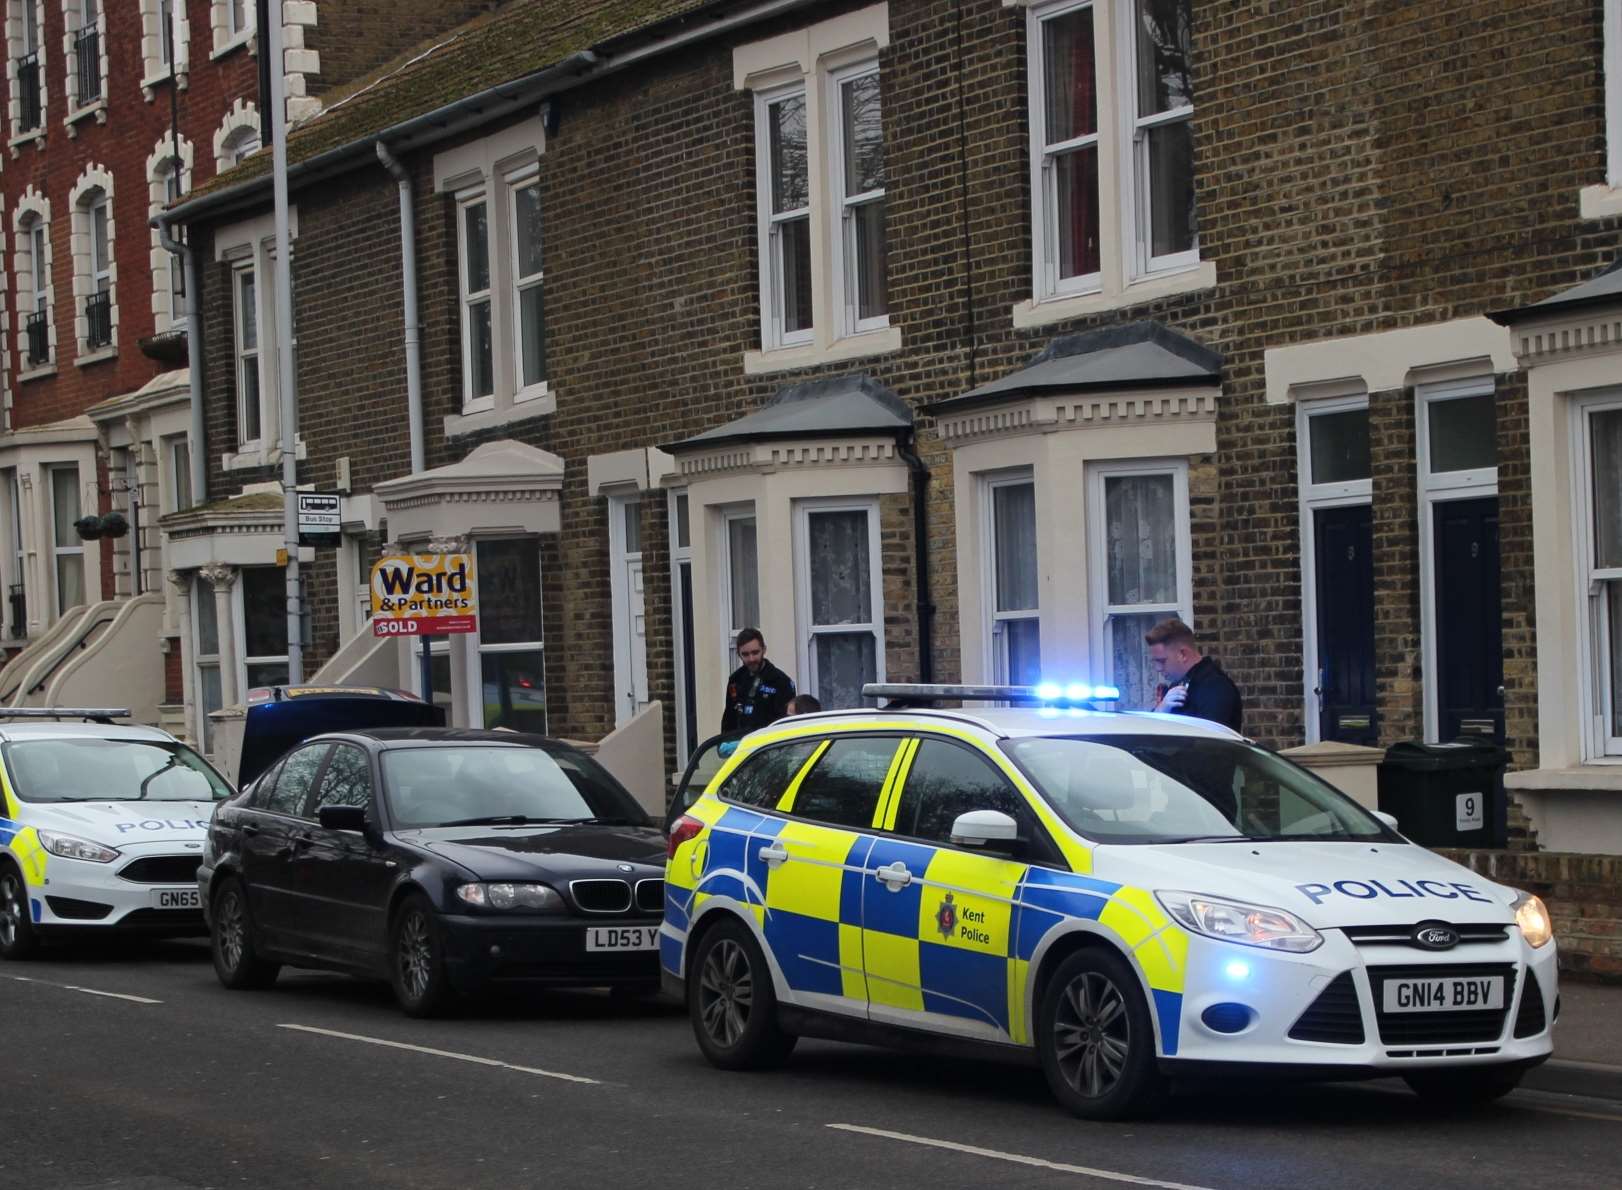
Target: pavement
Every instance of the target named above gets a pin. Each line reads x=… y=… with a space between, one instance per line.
x=1587 y=1044
x=135 y=1070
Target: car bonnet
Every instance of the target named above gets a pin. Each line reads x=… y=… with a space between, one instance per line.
x=119 y=824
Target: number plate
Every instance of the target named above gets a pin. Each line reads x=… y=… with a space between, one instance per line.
x=622 y=938
x=177 y=898
x=1454 y=993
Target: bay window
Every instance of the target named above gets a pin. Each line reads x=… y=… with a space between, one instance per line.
x=839 y=597
x=1015 y=627
x=67 y=548
x=740 y=585
x=1601 y=430
x=512 y=663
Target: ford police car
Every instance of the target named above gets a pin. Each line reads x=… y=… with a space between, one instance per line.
x=101 y=827
x=1127 y=898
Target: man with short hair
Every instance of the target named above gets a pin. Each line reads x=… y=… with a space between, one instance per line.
x=1194 y=685
x=804 y=704
x=758 y=692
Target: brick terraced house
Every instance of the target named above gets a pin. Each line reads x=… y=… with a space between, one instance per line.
x=955 y=340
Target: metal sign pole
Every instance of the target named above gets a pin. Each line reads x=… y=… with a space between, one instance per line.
x=286 y=386
x=427 y=671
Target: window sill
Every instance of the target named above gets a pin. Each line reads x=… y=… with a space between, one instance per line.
x=1599 y=202
x=230 y=47
x=1063 y=309
x=1597 y=776
x=99 y=356
x=785 y=359
x=98 y=109
x=151 y=83
x=23 y=138
x=458 y=425
x=39 y=373
x=260 y=457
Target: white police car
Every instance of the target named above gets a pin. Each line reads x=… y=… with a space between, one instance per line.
x=1128 y=898
x=101 y=827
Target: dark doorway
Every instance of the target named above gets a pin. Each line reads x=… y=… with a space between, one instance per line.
x=1469 y=620
x=1343 y=540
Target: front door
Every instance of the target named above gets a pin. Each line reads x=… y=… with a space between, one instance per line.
x=342 y=880
x=1343 y=541
x=939 y=920
x=1469 y=620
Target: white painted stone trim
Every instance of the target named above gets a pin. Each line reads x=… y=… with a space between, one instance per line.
x=158 y=165
x=153 y=69
x=70 y=66
x=94 y=179
x=219 y=20
x=14 y=44
x=1388 y=360
x=243 y=117
x=31 y=206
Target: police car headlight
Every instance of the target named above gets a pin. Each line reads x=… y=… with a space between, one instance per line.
x=73 y=847
x=1236 y=921
x=1532 y=915
x=533 y=898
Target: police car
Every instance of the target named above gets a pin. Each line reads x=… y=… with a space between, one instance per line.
x=101 y=827
x=1127 y=898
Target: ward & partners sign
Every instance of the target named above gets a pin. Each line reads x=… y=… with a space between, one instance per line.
x=424 y=595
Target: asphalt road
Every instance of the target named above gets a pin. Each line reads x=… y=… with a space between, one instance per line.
x=137 y=1071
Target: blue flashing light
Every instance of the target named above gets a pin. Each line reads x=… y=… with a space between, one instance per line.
x=1107 y=693
x=1077 y=692
x=1048 y=712
x=1049 y=691
x=1237 y=969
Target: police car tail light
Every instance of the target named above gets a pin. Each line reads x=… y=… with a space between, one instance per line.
x=684 y=830
x=1532 y=915
x=73 y=847
x=1237 y=921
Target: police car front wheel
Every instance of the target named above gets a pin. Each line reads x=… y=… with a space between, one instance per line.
x=18 y=938
x=731 y=1002
x=1096 y=1039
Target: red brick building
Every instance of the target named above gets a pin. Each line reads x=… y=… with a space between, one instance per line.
x=962 y=340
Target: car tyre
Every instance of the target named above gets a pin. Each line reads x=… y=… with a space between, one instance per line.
x=18 y=937
x=417 y=960
x=731 y=1002
x=1463 y=1088
x=231 y=943
x=1096 y=1039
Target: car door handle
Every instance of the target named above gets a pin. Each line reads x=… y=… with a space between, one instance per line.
x=895 y=877
x=773 y=854
x=249 y=829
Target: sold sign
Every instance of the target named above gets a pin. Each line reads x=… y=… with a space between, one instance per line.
x=424 y=595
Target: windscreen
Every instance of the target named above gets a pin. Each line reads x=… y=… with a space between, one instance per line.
x=1167 y=789
x=92 y=770
x=450 y=786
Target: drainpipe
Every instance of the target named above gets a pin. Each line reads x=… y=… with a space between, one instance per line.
x=408 y=270
x=194 y=361
x=920 y=546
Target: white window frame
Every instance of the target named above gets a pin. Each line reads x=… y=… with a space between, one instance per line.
x=620 y=557
x=1593 y=627
x=235 y=25
x=177 y=471
x=1314 y=496
x=17 y=550
x=807 y=630
x=101 y=271
x=996 y=647
x=1613 y=93
x=1435 y=489
x=58 y=552
x=1124 y=228
x=729 y=631
x=680 y=555
x=167 y=37
x=467 y=299
x=248 y=357
x=773 y=335
x=523 y=179
x=201 y=661
x=1100 y=610
x=474 y=674
x=842 y=234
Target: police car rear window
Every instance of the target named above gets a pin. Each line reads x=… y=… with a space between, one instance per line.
x=843 y=789
x=765 y=776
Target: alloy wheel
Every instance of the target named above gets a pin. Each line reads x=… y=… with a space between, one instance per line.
x=230 y=929
x=415 y=955
x=726 y=991
x=11 y=908
x=1092 y=1034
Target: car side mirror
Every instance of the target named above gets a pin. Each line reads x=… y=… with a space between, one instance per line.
x=1389 y=819
x=985 y=828
x=342 y=818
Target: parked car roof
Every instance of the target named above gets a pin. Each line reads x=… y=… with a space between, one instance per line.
x=1027 y=721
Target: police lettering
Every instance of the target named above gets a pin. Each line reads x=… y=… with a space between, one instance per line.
x=1369 y=890
x=163 y=824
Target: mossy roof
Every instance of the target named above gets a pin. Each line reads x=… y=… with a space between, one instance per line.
x=524 y=37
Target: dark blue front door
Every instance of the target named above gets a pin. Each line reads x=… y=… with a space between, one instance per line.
x=1344 y=567
x=1469 y=620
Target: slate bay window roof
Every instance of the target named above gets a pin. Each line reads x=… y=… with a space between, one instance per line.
x=1602 y=290
x=840 y=407
x=1136 y=355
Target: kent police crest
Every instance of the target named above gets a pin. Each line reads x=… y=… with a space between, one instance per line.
x=946 y=917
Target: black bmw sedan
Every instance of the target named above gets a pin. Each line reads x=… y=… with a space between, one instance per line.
x=443 y=860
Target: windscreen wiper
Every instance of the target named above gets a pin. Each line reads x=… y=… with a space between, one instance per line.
x=1219 y=839
x=601 y=821
x=502 y=820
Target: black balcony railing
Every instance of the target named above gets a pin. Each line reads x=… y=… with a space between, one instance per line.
x=37 y=328
x=98 y=319
x=87 y=54
x=29 y=114
x=19 y=611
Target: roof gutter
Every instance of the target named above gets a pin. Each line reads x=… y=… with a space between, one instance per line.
x=483 y=107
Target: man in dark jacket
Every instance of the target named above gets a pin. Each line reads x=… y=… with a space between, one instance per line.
x=1195 y=685
x=758 y=692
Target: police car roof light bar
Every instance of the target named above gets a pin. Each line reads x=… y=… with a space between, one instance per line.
x=93 y=714
x=1047 y=694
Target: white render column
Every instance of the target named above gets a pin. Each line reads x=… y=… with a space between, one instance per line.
x=181 y=581
x=222 y=578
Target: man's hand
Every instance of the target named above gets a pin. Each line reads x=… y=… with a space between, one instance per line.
x=1174 y=699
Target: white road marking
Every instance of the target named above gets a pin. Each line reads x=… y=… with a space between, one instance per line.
x=1017 y=1158
x=423 y=1049
x=68 y=987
